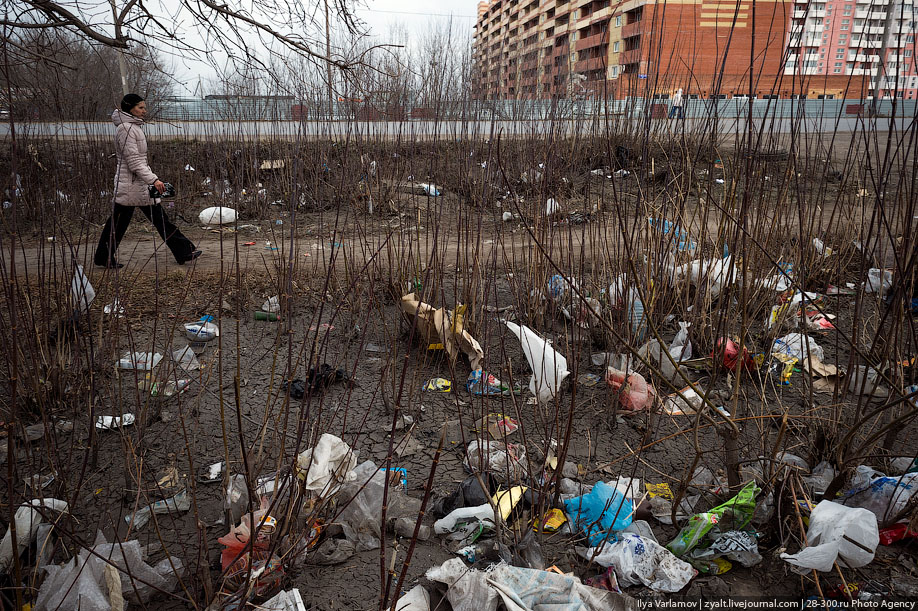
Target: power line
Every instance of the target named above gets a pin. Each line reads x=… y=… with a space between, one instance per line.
x=373 y=10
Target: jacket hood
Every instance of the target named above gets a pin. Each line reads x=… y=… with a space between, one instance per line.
x=119 y=117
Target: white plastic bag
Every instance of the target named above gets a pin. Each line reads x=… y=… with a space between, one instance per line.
x=82 y=290
x=218 y=215
x=185 y=359
x=830 y=523
x=288 y=600
x=640 y=561
x=549 y=368
x=464 y=522
x=467 y=589
x=552 y=207
x=271 y=304
x=878 y=281
x=201 y=331
x=27 y=518
x=416 y=599
x=794 y=345
x=681 y=348
x=884 y=496
x=504 y=460
x=323 y=467
x=141 y=361
x=863 y=380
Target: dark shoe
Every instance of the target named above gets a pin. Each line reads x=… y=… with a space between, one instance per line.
x=111 y=265
x=191 y=257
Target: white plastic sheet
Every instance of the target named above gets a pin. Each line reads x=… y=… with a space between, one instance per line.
x=878 y=281
x=549 y=368
x=416 y=599
x=831 y=537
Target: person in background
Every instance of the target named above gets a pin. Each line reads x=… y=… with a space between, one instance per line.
x=133 y=178
x=678 y=105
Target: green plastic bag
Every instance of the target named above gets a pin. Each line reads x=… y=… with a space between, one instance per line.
x=735 y=514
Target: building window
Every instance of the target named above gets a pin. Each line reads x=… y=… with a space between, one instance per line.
x=847 y=12
x=907 y=53
x=910 y=39
x=844 y=24
x=618 y=21
x=615 y=47
x=836 y=70
x=840 y=55
x=614 y=72
x=826 y=96
x=842 y=38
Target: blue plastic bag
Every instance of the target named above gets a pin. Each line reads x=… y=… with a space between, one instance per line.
x=602 y=510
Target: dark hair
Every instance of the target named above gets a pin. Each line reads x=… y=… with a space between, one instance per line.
x=130 y=101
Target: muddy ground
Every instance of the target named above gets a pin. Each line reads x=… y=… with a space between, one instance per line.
x=340 y=307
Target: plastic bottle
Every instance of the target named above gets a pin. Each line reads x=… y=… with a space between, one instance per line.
x=270 y=316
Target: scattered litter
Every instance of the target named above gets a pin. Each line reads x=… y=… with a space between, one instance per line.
x=506 y=460
x=498 y=426
x=878 y=281
x=179 y=502
x=114 y=308
x=272 y=164
x=271 y=305
x=84 y=581
x=507 y=217
x=634 y=393
x=212 y=473
x=112 y=423
x=552 y=207
x=438 y=385
x=289 y=600
x=323 y=468
x=27 y=519
x=188 y=168
x=442 y=327
x=218 y=215
x=140 y=361
x=185 y=359
x=483 y=384
x=680 y=237
x=599 y=513
x=836 y=533
x=317 y=380
x=884 y=496
x=81 y=290
x=735 y=514
x=863 y=380
x=416 y=599
x=201 y=330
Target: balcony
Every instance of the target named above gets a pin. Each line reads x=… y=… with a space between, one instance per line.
x=590 y=41
x=632 y=29
x=586 y=65
x=629 y=57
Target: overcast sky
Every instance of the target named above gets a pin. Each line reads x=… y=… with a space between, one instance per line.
x=379 y=16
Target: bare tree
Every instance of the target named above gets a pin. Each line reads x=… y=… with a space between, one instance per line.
x=69 y=77
x=203 y=29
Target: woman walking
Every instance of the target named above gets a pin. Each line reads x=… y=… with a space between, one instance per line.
x=133 y=178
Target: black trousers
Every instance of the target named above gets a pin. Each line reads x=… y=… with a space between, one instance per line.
x=118 y=222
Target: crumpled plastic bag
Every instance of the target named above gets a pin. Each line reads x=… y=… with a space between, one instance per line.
x=521 y=589
x=795 y=345
x=878 y=281
x=635 y=394
x=28 y=518
x=715 y=275
x=81 y=290
x=288 y=600
x=217 y=215
x=361 y=498
x=681 y=347
x=549 y=368
x=737 y=545
x=830 y=523
x=80 y=584
x=638 y=560
x=599 y=513
x=735 y=514
x=324 y=467
x=466 y=524
x=416 y=599
x=504 y=460
x=884 y=496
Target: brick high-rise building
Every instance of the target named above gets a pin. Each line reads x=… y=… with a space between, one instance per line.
x=531 y=49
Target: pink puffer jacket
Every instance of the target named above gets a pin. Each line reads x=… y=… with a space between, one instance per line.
x=133 y=174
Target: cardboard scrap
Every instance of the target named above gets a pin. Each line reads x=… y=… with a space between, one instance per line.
x=827 y=376
x=443 y=327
